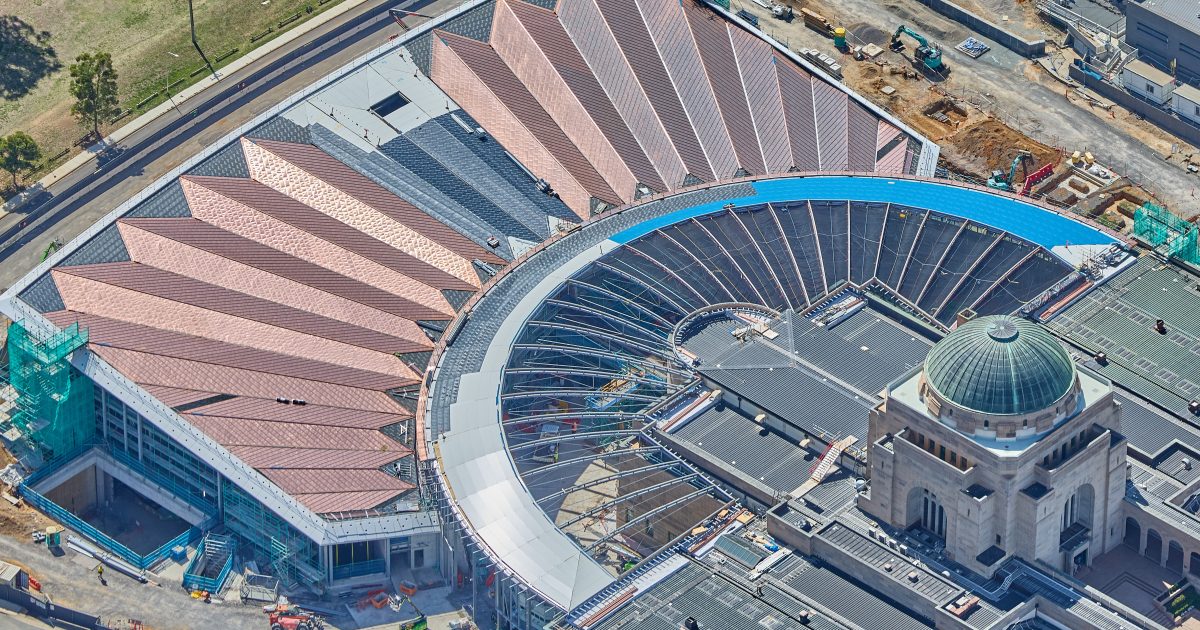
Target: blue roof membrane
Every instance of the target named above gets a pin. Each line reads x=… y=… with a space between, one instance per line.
x=1023 y=219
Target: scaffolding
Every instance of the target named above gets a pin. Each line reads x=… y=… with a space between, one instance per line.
x=54 y=407
x=1167 y=233
x=293 y=558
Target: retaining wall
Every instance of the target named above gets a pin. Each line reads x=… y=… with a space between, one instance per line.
x=1011 y=41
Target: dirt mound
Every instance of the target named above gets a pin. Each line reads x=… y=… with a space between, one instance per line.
x=866 y=34
x=990 y=144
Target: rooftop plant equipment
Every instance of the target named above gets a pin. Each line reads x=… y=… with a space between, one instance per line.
x=1167 y=233
x=55 y=410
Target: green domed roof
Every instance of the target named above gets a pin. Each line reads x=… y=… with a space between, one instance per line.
x=1000 y=365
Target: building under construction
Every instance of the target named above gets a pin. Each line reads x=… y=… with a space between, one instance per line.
x=574 y=310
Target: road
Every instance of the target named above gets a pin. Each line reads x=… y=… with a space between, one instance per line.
x=78 y=200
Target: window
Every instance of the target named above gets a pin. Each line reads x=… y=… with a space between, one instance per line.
x=942 y=452
x=1025 y=422
x=998 y=540
x=953 y=458
x=1149 y=88
x=1197 y=107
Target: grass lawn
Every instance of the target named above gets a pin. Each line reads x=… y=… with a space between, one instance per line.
x=149 y=40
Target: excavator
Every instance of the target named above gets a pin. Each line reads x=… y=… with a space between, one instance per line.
x=928 y=54
x=1001 y=182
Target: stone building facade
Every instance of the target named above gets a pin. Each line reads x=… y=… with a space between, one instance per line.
x=998 y=446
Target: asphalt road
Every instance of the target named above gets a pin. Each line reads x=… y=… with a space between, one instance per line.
x=75 y=202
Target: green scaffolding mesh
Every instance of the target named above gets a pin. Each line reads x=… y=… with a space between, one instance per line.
x=55 y=409
x=1167 y=233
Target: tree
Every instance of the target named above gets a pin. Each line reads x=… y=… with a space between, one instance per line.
x=18 y=152
x=94 y=86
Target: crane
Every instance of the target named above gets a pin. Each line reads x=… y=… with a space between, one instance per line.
x=1000 y=182
x=929 y=54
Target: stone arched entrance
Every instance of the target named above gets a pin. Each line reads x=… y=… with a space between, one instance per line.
x=1153 y=546
x=1175 y=557
x=1133 y=534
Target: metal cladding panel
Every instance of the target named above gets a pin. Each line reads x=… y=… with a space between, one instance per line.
x=333 y=502
x=242 y=432
x=311 y=413
x=174 y=396
x=676 y=47
x=643 y=57
x=512 y=39
x=113 y=333
x=866 y=230
x=796 y=87
x=766 y=231
x=184 y=290
x=727 y=230
x=862 y=133
x=556 y=43
x=310 y=481
x=312 y=458
x=210 y=254
x=797 y=223
x=506 y=86
x=328 y=169
x=887 y=133
x=962 y=255
x=598 y=48
x=185 y=374
x=757 y=67
x=936 y=236
x=328 y=239
x=457 y=76
x=716 y=51
x=894 y=161
x=830 y=105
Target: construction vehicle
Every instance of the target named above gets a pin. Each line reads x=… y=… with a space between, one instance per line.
x=547 y=453
x=291 y=617
x=54 y=246
x=1000 y=181
x=929 y=55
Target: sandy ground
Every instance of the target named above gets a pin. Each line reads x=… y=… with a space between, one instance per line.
x=1000 y=84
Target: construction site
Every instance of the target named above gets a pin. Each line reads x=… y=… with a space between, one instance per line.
x=850 y=315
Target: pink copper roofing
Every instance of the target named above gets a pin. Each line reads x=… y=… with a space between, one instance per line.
x=887 y=133
x=895 y=160
x=311 y=413
x=317 y=481
x=118 y=334
x=328 y=169
x=862 y=132
x=635 y=41
x=530 y=65
x=795 y=85
x=757 y=67
x=830 y=103
x=83 y=294
x=597 y=45
x=301 y=458
x=499 y=79
x=201 y=295
x=209 y=254
x=330 y=503
x=548 y=34
x=458 y=80
x=242 y=432
x=316 y=244
x=289 y=168
x=678 y=50
x=155 y=369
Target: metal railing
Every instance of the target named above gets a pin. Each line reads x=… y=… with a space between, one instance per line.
x=355 y=569
x=210 y=546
